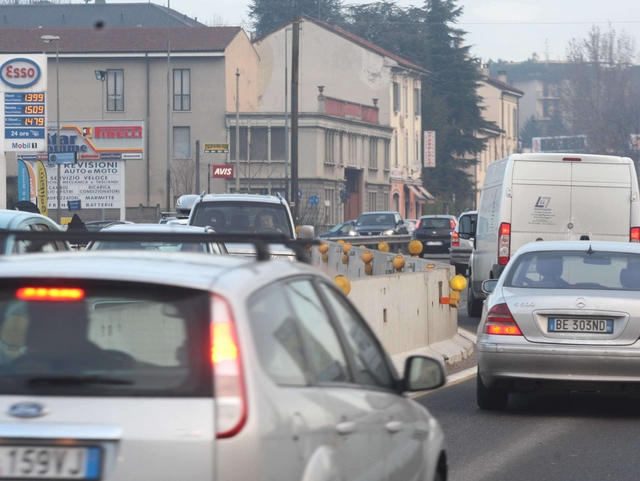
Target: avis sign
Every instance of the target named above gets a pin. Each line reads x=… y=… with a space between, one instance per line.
x=222 y=171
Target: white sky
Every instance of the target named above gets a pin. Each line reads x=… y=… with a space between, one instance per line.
x=497 y=29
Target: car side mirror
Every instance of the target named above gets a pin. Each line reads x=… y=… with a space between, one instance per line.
x=306 y=232
x=423 y=373
x=489 y=286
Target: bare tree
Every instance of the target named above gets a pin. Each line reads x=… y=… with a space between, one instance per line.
x=599 y=97
x=183 y=177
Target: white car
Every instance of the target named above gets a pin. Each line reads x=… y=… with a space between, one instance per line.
x=182 y=366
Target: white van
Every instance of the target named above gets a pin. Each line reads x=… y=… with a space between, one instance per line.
x=529 y=197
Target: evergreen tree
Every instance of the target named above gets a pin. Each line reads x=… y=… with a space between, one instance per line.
x=529 y=130
x=451 y=104
x=269 y=14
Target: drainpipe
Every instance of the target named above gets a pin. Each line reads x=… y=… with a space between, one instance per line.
x=148 y=143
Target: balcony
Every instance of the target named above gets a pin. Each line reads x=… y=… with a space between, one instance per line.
x=349 y=110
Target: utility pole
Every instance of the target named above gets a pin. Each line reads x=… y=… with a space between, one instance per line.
x=237 y=131
x=168 y=186
x=295 y=65
x=197 y=167
x=286 y=114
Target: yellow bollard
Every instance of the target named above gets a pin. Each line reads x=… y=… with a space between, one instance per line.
x=398 y=262
x=343 y=283
x=323 y=249
x=383 y=246
x=415 y=247
x=367 y=258
x=345 y=251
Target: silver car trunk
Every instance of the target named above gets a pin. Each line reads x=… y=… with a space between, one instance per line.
x=532 y=310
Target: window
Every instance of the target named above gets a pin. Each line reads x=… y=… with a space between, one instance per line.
x=416 y=146
x=387 y=153
x=243 y=143
x=181 y=142
x=353 y=149
x=397 y=148
x=371 y=367
x=406 y=100
x=329 y=196
x=323 y=350
x=515 y=123
x=417 y=102
x=396 y=97
x=115 y=90
x=373 y=153
x=258 y=145
x=385 y=201
x=406 y=150
x=182 y=89
x=277 y=337
x=329 y=147
x=277 y=143
x=373 y=201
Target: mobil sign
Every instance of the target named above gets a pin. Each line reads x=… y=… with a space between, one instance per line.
x=20 y=72
x=222 y=171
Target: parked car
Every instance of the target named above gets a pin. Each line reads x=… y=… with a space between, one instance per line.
x=163 y=246
x=225 y=368
x=462 y=241
x=434 y=231
x=563 y=316
x=551 y=197
x=379 y=223
x=98 y=225
x=338 y=231
x=248 y=214
x=21 y=220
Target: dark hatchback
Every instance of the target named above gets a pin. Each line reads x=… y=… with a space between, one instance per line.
x=379 y=223
x=434 y=231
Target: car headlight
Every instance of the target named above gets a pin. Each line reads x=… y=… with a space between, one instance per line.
x=388 y=232
x=353 y=233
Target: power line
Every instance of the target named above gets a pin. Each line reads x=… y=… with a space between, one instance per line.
x=491 y=23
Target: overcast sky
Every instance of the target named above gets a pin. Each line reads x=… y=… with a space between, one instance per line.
x=497 y=29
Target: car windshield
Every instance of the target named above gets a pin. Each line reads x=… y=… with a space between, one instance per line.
x=238 y=217
x=435 y=223
x=151 y=246
x=102 y=339
x=376 y=219
x=575 y=270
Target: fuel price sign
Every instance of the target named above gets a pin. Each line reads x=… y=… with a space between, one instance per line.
x=25 y=121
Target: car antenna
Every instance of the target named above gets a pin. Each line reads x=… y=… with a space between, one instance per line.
x=280 y=197
x=590 y=251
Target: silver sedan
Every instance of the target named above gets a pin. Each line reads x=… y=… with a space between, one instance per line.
x=564 y=316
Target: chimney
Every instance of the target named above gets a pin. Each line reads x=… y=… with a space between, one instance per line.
x=485 y=69
x=502 y=76
x=321 y=98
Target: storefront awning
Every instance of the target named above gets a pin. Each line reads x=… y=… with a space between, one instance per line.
x=426 y=193
x=416 y=192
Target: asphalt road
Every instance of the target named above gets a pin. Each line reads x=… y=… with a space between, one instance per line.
x=539 y=437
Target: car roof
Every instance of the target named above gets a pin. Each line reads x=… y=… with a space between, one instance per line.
x=9 y=218
x=268 y=199
x=381 y=212
x=190 y=270
x=438 y=216
x=153 y=228
x=602 y=246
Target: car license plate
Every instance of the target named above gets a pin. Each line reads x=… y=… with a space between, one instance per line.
x=49 y=462
x=598 y=326
x=434 y=243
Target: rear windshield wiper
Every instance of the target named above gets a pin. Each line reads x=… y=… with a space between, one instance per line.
x=77 y=380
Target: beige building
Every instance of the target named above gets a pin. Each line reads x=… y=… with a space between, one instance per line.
x=501 y=105
x=360 y=123
x=203 y=64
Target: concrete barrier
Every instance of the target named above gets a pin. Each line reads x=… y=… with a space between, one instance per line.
x=403 y=308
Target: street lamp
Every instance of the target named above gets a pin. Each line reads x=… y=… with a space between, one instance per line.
x=102 y=76
x=47 y=39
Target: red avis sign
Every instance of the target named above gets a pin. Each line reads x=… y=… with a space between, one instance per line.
x=20 y=72
x=222 y=171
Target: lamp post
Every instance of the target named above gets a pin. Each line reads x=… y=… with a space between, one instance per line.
x=47 y=39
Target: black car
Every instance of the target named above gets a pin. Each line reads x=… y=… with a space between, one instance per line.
x=434 y=231
x=379 y=223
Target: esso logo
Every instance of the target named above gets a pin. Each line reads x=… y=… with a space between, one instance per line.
x=20 y=73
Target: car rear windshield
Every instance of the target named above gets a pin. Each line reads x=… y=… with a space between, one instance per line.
x=236 y=217
x=435 y=223
x=101 y=339
x=151 y=246
x=376 y=219
x=575 y=270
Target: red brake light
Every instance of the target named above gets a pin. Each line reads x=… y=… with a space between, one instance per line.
x=455 y=239
x=453 y=223
x=634 y=236
x=50 y=294
x=500 y=322
x=418 y=224
x=572 y=159
x=504 y=244
x=230 y=395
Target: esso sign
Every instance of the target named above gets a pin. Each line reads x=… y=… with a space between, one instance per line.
x=20 y=73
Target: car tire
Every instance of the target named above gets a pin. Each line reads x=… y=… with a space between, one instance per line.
x=491 y=399
x=474 y=306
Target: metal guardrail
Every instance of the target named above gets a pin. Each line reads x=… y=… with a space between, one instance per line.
x=396 y=243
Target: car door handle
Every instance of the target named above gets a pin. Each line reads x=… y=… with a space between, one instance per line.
x=394 y=426
x=346 y=427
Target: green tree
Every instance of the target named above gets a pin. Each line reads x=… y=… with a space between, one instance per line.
x=529 y=130
x=267 y=15
x=450 y=101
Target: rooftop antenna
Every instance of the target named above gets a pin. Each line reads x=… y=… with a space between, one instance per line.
x=590 y=251
x=546 y=49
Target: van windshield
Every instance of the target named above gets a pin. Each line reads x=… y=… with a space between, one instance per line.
x=103 y=340
x=238 y=217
